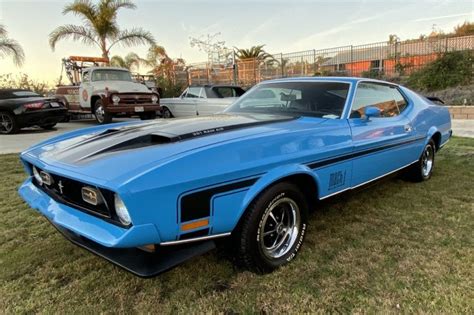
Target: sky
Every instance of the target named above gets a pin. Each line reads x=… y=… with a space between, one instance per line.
x=283 y=26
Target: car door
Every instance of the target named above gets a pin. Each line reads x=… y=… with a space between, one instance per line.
x=381 y=144
x=85 y=90
x=214 y=100
x=185 y=106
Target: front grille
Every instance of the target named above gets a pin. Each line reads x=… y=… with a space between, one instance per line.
x=69 y=192
x=135 y=99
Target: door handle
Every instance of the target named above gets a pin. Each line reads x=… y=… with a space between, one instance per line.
x=408 y=128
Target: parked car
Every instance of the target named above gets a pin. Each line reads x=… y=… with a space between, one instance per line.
x=147 y=196
x=106 y=92
x=23 y=108
x=200 y=100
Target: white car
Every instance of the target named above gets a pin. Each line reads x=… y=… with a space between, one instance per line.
x=200 y=100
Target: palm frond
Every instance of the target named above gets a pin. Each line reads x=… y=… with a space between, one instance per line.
x=83 y=8
x=117 y=61
x=10 y=47
x=118 y=4
x=77 y=33
x=133 y=37
x=3 y=31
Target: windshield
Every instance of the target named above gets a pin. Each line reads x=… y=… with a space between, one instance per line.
x=320 y=99
x=111 y=75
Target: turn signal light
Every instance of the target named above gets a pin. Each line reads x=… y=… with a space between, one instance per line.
x=194 y=225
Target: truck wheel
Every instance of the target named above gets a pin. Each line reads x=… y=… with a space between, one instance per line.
x=101 y=116
x=148 y=115
x=272 y=229
x=8 y=124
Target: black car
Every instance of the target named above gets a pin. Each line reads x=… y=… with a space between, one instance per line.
x=23 y=108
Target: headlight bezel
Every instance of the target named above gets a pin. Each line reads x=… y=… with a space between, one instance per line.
x=37 y=176
x=154 y=98
x=115 y=98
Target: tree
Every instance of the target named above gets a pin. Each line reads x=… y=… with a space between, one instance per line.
x=100 y=26
x=467 y=28
x=131 y=60
x=255 y=52
x=162 y=64
x=10 y=47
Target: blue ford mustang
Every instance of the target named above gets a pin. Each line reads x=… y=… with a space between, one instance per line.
x=149 y=195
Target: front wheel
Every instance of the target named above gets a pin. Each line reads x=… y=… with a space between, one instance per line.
x=101 y=116
x=423 y=168
x=273 y=228
x=166 y=113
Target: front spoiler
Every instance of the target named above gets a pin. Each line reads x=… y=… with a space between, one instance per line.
x=137 y=261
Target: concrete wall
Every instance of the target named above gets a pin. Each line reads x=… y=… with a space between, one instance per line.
x=461 y=112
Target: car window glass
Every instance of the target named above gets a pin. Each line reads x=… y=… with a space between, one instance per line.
x=223 y=92
x=375 y=95
x=85 y=77
x=193 y=92
x=399 y=99
x=319 y=99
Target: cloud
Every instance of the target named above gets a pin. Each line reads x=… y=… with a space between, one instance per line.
x=432 y=18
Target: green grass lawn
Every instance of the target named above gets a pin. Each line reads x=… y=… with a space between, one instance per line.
x=393 y=247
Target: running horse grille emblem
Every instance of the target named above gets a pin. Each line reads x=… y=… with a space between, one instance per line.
x=90 y=195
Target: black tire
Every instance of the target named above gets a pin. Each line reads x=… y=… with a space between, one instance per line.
x=256 y=232
x=147 y=115
x=166 y=113
x=48 y=126
x=8 y=123
x=423 y=168
x=101 y=116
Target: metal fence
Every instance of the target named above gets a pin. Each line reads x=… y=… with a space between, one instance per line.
x=388 y=60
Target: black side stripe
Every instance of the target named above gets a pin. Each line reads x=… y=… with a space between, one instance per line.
x=198 y=204
x=341 y=158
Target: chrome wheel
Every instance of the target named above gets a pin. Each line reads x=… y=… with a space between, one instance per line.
x=427 y=161
x=100 y=113
x=6 y=123
x=279 y=228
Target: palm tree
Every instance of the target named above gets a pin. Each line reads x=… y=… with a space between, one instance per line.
x=100 y=26
x=128 y=62
x=10 y=47
x=255 y=52
x=162 y=64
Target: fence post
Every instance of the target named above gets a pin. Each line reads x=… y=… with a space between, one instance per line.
x=234 y=68
x=352 y=62
x=281 y=64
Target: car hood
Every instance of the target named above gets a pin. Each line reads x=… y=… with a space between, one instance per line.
x=121 y=86
x=140 y=146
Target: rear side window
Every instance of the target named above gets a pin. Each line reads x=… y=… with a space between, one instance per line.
x=227 y=91
x=386 y=98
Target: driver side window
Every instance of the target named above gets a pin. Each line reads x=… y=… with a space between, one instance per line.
x=386 y=98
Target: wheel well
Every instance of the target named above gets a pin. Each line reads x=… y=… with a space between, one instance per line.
x=437 y=139
x=94 y=99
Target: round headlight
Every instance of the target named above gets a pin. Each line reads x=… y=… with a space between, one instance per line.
x=37 y=176
x=154 y=98
x=115 y=98
x=121 y=211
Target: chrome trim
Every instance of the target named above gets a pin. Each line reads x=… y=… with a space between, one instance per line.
x=445 y=142
x=202 y=238
x=371 y=180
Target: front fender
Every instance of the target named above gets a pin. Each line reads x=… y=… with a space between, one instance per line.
x=273 y=176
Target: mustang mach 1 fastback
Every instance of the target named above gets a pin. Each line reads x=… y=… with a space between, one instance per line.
x=149 y=195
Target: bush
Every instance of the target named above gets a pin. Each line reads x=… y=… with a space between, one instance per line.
x=22 y=81
x=168 y=88
x=451 y=69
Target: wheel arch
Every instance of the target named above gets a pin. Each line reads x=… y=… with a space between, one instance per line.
x=299 y=175
x=435 y=135
x=94 y=99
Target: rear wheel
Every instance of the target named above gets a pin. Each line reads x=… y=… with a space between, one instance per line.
x=148 y=115
x=423 y=168
x=273 y=228
x=8 y=123
x=101 y=116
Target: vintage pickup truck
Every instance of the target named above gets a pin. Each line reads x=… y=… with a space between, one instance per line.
x=200 y=100
x=108 y=91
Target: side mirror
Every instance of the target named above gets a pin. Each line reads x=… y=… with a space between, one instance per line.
x=371 y=111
